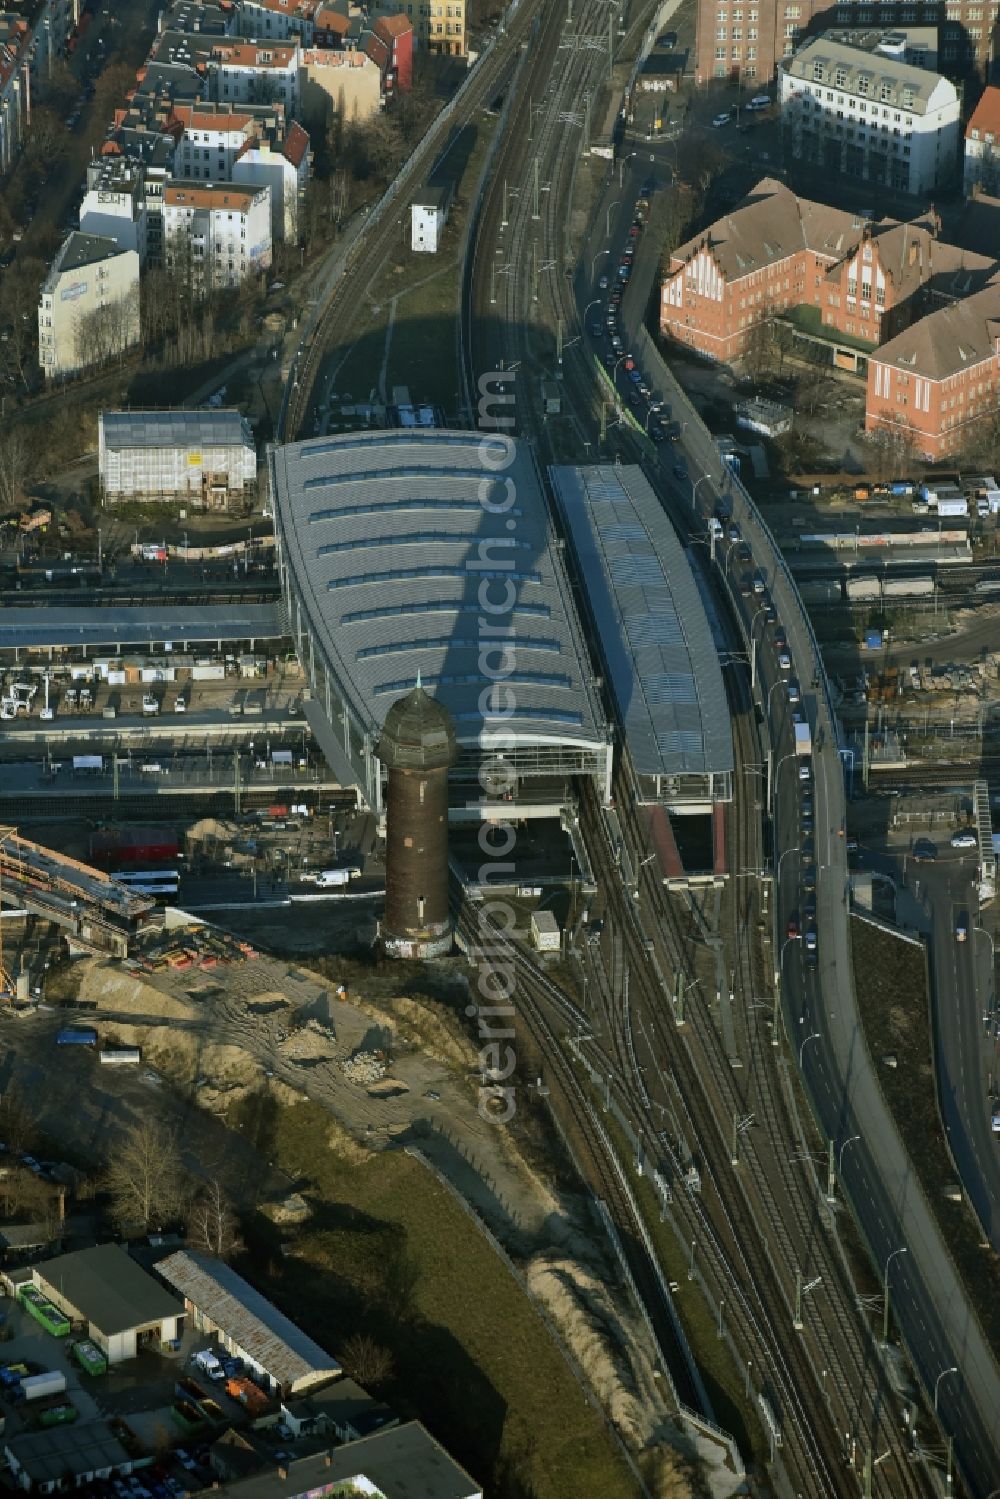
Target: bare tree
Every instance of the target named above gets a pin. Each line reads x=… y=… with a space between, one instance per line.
x=212 y=1224
x=369 y=1362
x=144 y=1178
x=13 y=466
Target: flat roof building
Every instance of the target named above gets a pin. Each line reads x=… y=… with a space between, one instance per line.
x=413 y=554
x=404 y=1463
x=207 y=459
x=46 y=1459
x=660 y=655
x=221 y=1302
x=123 y=1307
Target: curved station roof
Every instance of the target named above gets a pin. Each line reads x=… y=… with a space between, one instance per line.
x=421 y=554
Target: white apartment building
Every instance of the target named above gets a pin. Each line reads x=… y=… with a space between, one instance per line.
x=864 y=113
x=249 y=145
x=254 y=72
x=204 y=458
x=279 y=20
x=88 y=309
x=114 y=206
x=284 y=170
x=223 y=231
x=428 y=216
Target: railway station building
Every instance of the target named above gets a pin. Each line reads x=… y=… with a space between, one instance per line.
x=427 y=557
x=660 y=642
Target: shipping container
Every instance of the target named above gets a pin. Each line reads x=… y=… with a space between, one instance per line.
x=44 y=1312
x=52 y=1382
x=76 y=1035
x=907 y=587
x=803 y=739
x=863 y=588
x=123 y=1056
x=208 y=671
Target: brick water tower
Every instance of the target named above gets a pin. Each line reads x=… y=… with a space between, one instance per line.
x=417 y=746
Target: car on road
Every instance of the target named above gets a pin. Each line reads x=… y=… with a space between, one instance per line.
x=961 y=929
x=784 y=661
x=805 y=770
x=634 y=375
x=794 y=695
x=634 y=231
x=719 y=120
x=770 y=613
x=596 y=331
x=793 y=926
x=924 y=851
x=759 y=101
x=811 y=939
x=734 y=533
x=603 y=283
x=807 y=811
x=809 y=908
x=965 y=839
x=809 y=877
x=680 y=471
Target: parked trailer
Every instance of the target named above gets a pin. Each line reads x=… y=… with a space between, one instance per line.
x=52 y=1382
x=76 y=1035
x=864 y=588
x=122 y=1056
x=907 y=587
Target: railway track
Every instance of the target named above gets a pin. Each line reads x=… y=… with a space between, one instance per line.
x=347 y=304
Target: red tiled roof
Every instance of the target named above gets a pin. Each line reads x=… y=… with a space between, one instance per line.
x=332 y=20
x=377 y=50
x=296 y=144
x=985 y=117
x=392 y=26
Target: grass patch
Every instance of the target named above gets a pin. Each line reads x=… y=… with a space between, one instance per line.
x=723 y=1382
x=891 y=984
x=390 y=1253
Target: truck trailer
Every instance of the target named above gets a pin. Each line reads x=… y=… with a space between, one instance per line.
x=52 y=1382
x=803 y=739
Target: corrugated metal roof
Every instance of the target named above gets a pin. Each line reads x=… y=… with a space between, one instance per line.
x=283 y=1350
x=399 y=543
x=174 y=429
x=24 y=627
x=656 y=640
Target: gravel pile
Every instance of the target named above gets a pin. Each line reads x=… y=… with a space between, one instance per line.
x=364 y=1067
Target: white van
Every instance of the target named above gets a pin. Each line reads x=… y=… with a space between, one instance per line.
x=207 y=1362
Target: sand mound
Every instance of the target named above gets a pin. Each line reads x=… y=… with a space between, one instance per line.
x=114 y=988
x=578 y=1303
x=671 y=1474
x=311 y=1043
x=430 y=1027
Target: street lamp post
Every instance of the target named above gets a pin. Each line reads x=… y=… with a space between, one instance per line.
x=597 y=257
x=840 y=1156
x=607 y=219
x=813 y=1036
x=937 y=1383
x=885 y=1298
x=694 y=489
x=622 y=165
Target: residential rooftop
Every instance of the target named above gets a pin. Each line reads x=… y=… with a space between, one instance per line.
x=78 y=251
x=402 y=1463
x=948 y=341
x=872 y=75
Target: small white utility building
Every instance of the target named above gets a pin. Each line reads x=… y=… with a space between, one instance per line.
x=428 y=218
